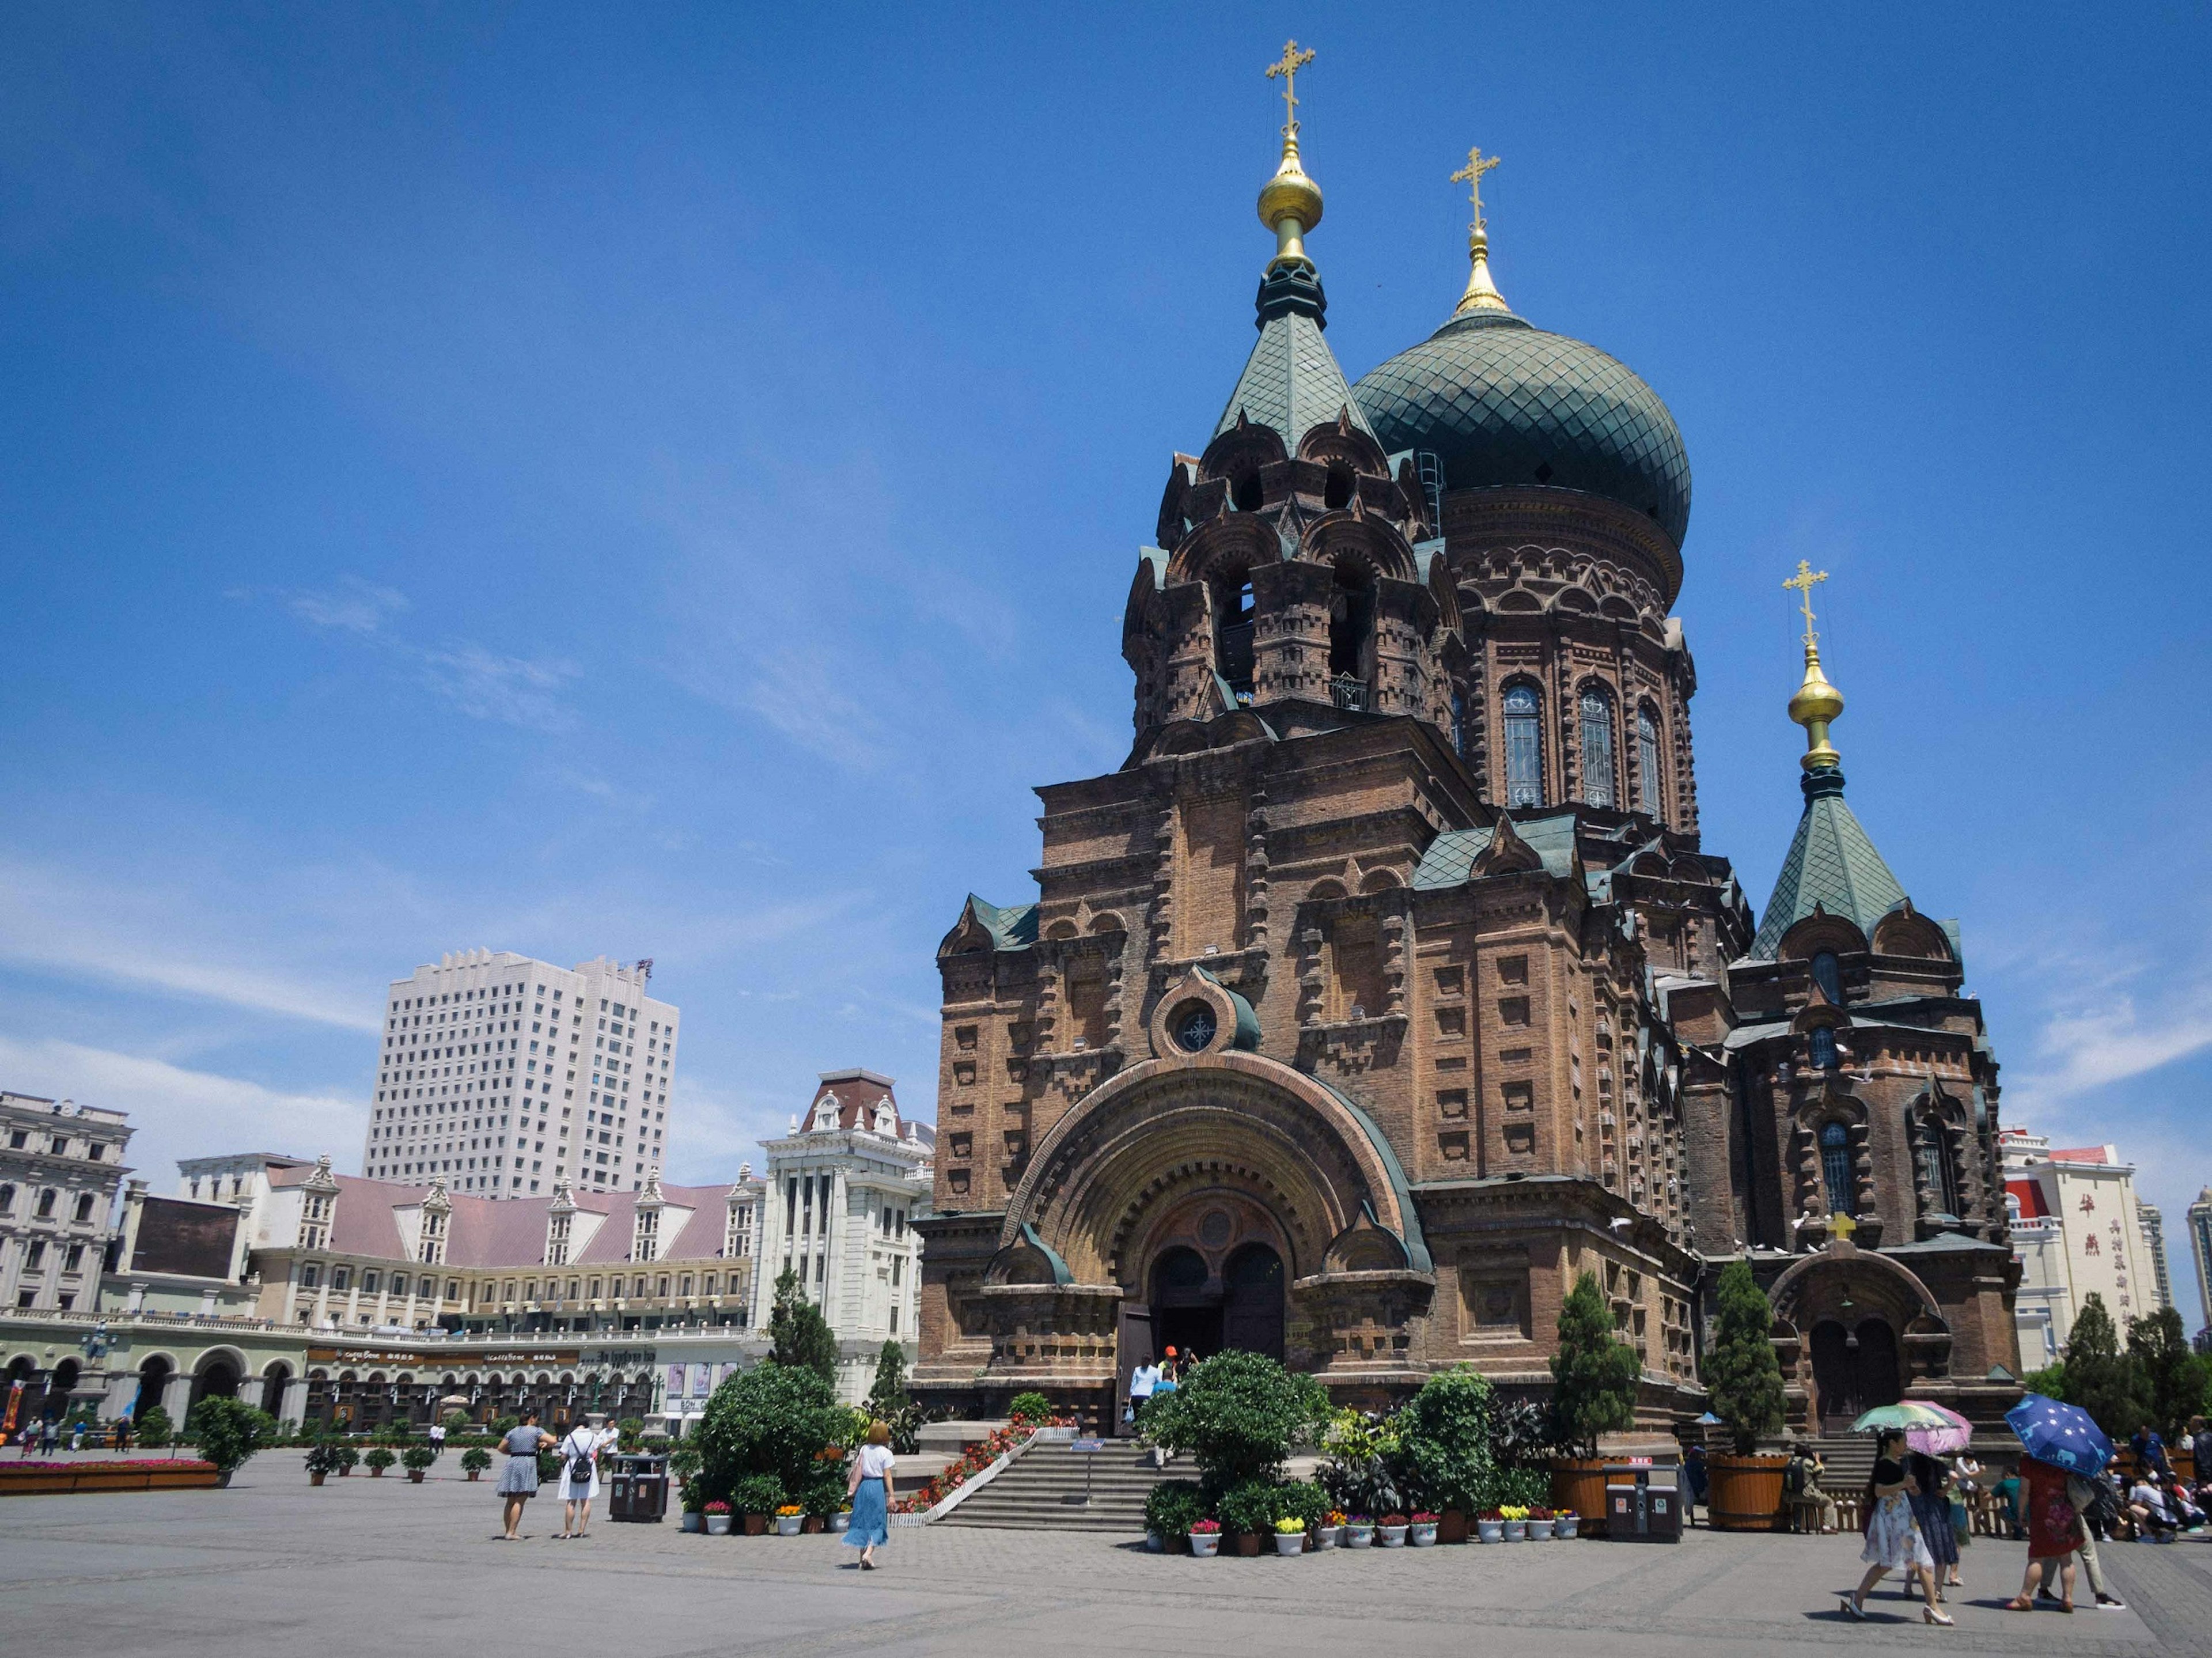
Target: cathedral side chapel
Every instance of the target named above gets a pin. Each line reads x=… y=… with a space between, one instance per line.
x=1386 y=987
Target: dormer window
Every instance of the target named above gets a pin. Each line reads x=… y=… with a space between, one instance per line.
x=1828 y=974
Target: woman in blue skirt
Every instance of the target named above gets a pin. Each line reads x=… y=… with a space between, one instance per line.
x=870 y=1490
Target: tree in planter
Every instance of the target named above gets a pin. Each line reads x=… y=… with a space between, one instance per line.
x=629 y=1432
x=887 y=1397
x=322 y=1459
x=2173 y=1376
x=773 y=1419
x=152 y=1428
x=801 y=1336
x=1741 y=1371
x=378 y=1458
x=1237 y=1415
x=1173 y=1506
x=454 y=1422
x=346 y=1456
x=2101 y=1379
x=1595 y=1372
x=417 y=1459
x=475 y=1461
x=1444 y=1440
x=227 y=1432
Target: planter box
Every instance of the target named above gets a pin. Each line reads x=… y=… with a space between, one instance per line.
x=59 y=1478
x=1293 y=1542
x=812 y=1524
x=1358 y=1537
x=1451 y=1526
x=718 y=1524
x=1248 y=1544
x=414 y=1476
x=1206 y=1544
x=787 y=1525
x=1578 y=1483
x=1490 y=1531
x=842 y=1521
x=316 y=1478
x=1746 y=1493
x=756 y=1525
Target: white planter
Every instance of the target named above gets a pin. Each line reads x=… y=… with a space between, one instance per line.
x=1567 y=1525
x=1394 y=1537
x=1423 y=1536
x=840 y=1521
x=693 y=1520
x=1327 y=1537
x=1516 y=1531
x=1490 y=1531
x=787 y=1525
x=1540 y=1530
x=1155 y=1544
x=1358 y=1537
x=1206 y=1544
x=1289 y=1542
x=718 y=1524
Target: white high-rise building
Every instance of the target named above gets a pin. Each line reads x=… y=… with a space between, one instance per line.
x=502 y=1074
x=2076 y=1228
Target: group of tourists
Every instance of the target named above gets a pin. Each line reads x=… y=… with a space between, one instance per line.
x=1150 y=1380
x=867 y=1486
x=1910 y=1524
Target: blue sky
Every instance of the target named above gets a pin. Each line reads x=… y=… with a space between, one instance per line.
x=665 y=481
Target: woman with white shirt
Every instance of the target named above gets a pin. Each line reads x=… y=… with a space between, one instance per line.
x=870 y=1490
x=580 y=1474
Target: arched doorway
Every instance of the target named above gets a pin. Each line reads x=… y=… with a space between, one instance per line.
x=1252 y=1301
x=1185 y=1305
x=153 y=1378
x=1854 y=1370
x=216 y=1378
x=1195 y=1312
x=272 y=1388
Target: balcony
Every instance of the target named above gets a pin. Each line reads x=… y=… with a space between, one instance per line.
x=1348 y=694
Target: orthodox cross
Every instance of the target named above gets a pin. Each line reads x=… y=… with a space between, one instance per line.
x=1802 y=584
x=1470 y=176
x=1841 y=1226
x=1287 y=69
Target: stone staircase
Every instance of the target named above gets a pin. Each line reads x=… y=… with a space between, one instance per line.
x=1043 y=1491
x=1850 y=1460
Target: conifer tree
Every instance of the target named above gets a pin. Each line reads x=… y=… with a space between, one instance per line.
x=1741 y=1371
x=888 y=1397
x=1594 y=1375
x=2173 y=1376
x=800 y=1335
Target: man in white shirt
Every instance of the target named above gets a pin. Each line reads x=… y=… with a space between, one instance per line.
x=1142 y=1380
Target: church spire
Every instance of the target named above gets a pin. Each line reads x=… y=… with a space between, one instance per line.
x=1289 y=202
x=1481 y=294
x=1817 y=703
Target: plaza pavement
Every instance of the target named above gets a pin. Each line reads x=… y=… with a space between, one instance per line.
x=378 y=1566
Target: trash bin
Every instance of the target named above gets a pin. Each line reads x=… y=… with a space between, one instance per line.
x=1638 y=1511
x=637 y=1488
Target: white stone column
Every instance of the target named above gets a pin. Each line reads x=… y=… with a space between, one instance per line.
x=177 y=1399
x=293 y=1409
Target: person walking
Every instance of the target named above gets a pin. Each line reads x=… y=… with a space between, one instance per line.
x=1700 y=1481
x=580 y=1474
x=2083 y=1496
x=518 y=1480
x=1931 y=1507
x=1170 y=1376
x=1894 y=1539
x=2054 y=1533
x=1142 y=1380
x=869 y=1491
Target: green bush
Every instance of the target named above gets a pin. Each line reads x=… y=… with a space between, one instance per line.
x=1444 y=1440
x=2050 y=1381
x=1594 y=1374
x=802 y=1338
x=397 y=1432
x=1237 y=1415
x=322 y=1458
x=152 y=1428
x=888 y=1396
x=378 y=1458
x=418 y=1456
x=1361 y=1473
x=773 y=1420
x=1030 y=1407
x=475 y=1459
x=1527 y=1487
x=824 y=1492
x=228 y=1431
x=1250 y=1506
x=2173 y=1375
x=455 y=1422
x=1301 y=1499
x=756 y=1493
x=1174 y=1506
x=503 y=1425
x=346 y=1456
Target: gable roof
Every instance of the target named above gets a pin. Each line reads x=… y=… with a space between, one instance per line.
x=1450 y=858
x=1832 y=866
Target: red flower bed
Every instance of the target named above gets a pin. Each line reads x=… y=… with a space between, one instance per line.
x=973 y=1461
x=109 y=1465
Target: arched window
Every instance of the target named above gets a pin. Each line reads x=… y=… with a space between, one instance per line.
x=1597 y=747
x=1336 y=494
x=1459 y=723
x=1824 y=1048
x=1828 y=974
x=46 y=1203
x=1232 y=633
x=1524 y=747
x=1351 y=628
x=7 y=1199
x=1836 y=1170
x=1939 y=1167
x=84 y=1205
x=1647 y=761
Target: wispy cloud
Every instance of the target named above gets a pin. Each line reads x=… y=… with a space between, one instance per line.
x=354 y=605
x=805 y=696
x=2103 y=1016
x=58 y=922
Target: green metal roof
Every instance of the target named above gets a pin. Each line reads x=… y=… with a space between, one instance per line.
x=1291 y=381
x=1014 y=928
x=1832 y=864
x=1451 y=855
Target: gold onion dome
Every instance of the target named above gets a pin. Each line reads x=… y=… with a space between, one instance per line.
x=1289 y=202
x=1816 y=703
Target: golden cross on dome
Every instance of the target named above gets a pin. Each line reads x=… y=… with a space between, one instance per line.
x=1470 y=176
x=1841 y=1226
x=1286 y=70
x=1802 y=583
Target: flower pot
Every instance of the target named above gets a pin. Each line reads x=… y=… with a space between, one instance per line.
x=718 y=1524
x=1540 y=1530
x=1155 y=1544
x=839 y=1521
x=376 y=1473
x=1394 y=1537
x=1206 y=1544
x=695 y=1520
x=787 y=1525
x=1578 y=1483
x=1248 y=1544
x=1746 y=1493
x=414 y=1476
x=1451 y=1526
x=472 y=1474
x=1359 y=1537
x=1490 y=1531
x=1516 y=1531
x=316 y=1478
x=1565 y=1525
x=1327 y=1537
x=813 y=1523
x=1422 y=1537
x=1289 y=1542
x=756 y=1525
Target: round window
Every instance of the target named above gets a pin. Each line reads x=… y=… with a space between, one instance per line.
x=1194 y=1027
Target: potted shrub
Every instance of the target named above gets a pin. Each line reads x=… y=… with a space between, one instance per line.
x=757 y=1497
x=418 y=1460
x=1171 y=1509
x=840 y=1518
x=1290 y=1535
x=1564 y=1522
x=1030 y=1407
x=346 y=1456
x=1490 y=1526
x=475 y=1461
x=228 y=1432
x=379 y=1458
x=716 y=1517
x=694 y=1518
x=1205 y=1538
x=1330 y=1532
x=1746 y=1384
x=322 y=1460
x=1358 y=1532
x=1358 y=1475
x=1390 y=1530
x=1249 y=1511
x=1593 y=1378
x=1421 y=1533
x=789 y=1517
x=1540 y=1524
x=1445 y=1436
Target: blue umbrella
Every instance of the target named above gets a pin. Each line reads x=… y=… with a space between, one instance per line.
x=2061 y=1435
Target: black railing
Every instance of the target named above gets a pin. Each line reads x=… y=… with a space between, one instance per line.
x=1348 y=693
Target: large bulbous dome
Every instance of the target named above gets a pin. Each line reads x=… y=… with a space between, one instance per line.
x=1500 y=402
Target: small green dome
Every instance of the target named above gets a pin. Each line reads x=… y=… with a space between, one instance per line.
x=1500 y=402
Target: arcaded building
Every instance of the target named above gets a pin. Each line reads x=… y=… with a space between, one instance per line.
x=1387 y=986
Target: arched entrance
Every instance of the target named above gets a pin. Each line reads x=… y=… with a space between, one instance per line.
x=1196 y=1310
x=153 y=1378
x=272 y=1388
x=1854 y=1370
x=216 y=1378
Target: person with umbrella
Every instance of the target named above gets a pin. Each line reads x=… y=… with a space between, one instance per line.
x=2059 y=1440
x=1894 y=1539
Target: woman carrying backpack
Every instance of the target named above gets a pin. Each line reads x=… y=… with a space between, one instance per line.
x=580 y=1473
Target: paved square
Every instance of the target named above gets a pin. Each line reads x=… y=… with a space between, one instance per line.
x=378 y=1566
